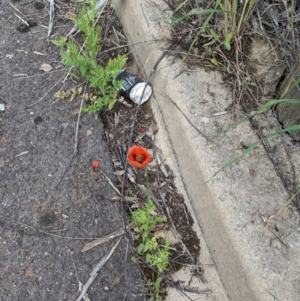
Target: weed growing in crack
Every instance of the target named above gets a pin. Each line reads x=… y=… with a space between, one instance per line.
x=101 y=79
x=154 y=289
x=160 y=256
x=154 y=249
x=203 y=12
x=234 y=15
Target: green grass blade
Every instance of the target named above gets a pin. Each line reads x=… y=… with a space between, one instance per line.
x=179 y=7
x=253 y=146
x=229 y=37
x=290 y=200
x=260 y=110
x=214 y=35
x=227 y=45
x=199 y=12
x=290 y=87
x=204 y=25
x=271 y=294
x=247 y=9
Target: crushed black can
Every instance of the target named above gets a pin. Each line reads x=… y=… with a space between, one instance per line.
x=134 y=88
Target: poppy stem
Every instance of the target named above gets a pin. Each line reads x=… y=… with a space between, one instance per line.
x=147 y=182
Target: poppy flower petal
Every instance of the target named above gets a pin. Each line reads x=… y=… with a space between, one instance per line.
x=95 y=164
x=138 y=156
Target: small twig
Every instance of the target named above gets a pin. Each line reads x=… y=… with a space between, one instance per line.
x=200 y=265
x=116 y=35
x=161 y=165
x=79 y=114
x=74 y=266
x=170 y=5
x=51 y=16
x=21 y=19
x=175 y=232
x=96 y=270
x=21 y=154
x=23 y=75
x=39 y=53
x=144 y=44
x=107 y=29
x=197 y=291
x=106 y=238
x=111 y=184
x=282 y=208
x=16 y=9
x=278 y=236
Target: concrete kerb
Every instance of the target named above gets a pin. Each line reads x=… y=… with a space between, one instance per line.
x=229 y=208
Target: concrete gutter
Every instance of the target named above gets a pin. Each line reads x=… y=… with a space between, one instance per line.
x=249 y=259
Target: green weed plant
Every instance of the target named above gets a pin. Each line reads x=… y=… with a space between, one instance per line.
x=154 y=289
x=235 y=14
x=100 y=78
x=153 y=248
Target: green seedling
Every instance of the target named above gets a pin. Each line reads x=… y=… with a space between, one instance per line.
x=100 y=78
x=154 y=289
x=216 y=63
x=247 y=82
x=215 y=36
x=159 y=257
x=146 y=220
x=226 y=42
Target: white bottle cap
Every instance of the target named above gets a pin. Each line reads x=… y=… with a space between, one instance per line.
x=138 y=90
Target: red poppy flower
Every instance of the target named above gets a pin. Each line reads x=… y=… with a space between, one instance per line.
x=138 y=156
x=95 y=164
